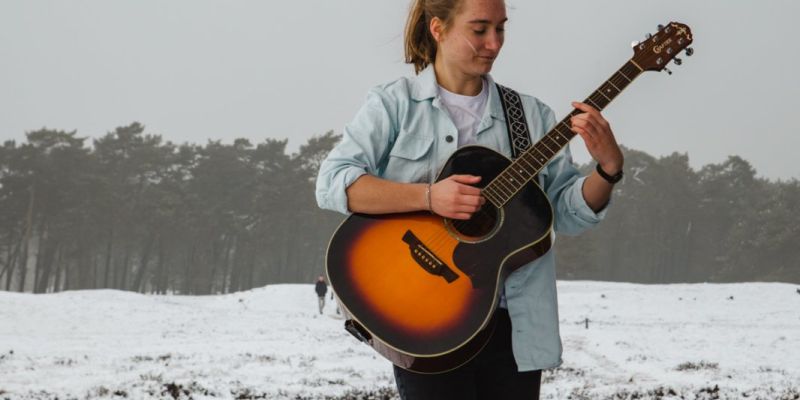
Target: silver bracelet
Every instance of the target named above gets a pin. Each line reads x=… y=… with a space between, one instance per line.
x=428 y=197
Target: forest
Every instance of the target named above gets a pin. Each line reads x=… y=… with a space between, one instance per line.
x=131 y=211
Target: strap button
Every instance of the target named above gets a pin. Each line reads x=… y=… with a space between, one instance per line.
x=449 y=138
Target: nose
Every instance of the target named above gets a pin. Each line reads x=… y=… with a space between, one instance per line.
x=494 y=42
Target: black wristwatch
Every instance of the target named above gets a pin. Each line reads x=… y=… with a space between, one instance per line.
x=612 y=179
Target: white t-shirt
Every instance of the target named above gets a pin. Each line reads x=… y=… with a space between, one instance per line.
x=465 y=111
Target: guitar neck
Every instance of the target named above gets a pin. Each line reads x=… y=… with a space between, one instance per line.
x=500 y=190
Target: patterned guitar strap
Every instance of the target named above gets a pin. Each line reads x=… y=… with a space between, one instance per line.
x=519 y=137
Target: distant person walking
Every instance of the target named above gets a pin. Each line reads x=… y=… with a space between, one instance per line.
x=321 y=288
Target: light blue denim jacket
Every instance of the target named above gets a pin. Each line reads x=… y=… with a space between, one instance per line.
x=401 y=134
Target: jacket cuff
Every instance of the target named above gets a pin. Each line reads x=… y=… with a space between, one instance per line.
x=336 y=197
x=580 y=209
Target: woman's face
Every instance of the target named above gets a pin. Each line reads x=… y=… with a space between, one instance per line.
x=475 y=37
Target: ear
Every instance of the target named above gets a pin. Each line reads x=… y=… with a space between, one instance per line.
x=437 y=28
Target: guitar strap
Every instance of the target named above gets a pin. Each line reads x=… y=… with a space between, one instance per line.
x=519 y=136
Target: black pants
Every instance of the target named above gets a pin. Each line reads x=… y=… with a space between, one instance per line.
x=492 y=374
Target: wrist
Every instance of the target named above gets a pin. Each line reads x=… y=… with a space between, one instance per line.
x=611 y=168
x=612 y=177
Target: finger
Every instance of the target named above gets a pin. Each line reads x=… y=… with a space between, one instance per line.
x=587 y=138
x=461 y=215
x=472 y=201
x=469 y=190
x=466 y=179
x=584 y=107
x=580 y=129
x=467 y=209
x=593 y=113
x=587 y=122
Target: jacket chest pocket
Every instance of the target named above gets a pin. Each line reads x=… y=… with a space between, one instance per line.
x=410 y=159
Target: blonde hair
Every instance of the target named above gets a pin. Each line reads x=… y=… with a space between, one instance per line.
x=420 y=46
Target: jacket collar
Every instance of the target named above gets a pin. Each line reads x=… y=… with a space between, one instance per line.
x=425 y=87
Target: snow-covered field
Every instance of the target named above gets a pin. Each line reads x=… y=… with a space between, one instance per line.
x=697 y=341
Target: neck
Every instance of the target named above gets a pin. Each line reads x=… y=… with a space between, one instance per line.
x=456 y=81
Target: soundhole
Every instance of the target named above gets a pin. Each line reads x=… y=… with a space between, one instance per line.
x=480 y=227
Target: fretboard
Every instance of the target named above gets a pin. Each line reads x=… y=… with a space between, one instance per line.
x=500 y=190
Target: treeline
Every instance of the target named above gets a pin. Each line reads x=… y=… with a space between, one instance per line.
x=134 y=212
x=669 y=223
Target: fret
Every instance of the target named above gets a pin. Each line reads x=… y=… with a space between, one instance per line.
x=515 y=183
x=558 y=146
x=505 y=190
x=532 y=159
x=631 y=71
x=610 y=82
x=522 y=158
x=546 y=146
x=603 y=94
x=520 y=172
x=542 y=160
x=555 y=138
x=502 y=198
x=510 y=180
x=498 y=187
x=624 y=76
x=528 y=158
x=490 y=197
x=569 y=128
x=567 y=137
x=489 y=189
x=516 y=169
x=597 y=106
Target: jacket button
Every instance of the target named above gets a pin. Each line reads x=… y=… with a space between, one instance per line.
x=449 y=138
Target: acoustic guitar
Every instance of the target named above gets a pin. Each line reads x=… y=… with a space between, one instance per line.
x=421 y=289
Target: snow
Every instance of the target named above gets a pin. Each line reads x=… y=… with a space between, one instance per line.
x=697 y=341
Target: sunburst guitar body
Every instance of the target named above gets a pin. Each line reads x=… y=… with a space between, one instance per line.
x=420 y=288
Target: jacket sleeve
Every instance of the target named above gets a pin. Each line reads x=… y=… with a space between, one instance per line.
x=564 y=187
x=365 y=142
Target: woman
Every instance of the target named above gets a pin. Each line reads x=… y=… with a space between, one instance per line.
x=391 y=151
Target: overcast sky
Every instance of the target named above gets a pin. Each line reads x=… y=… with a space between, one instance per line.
x=193 y=70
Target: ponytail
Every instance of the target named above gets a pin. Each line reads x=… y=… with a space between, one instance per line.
x=420 y=46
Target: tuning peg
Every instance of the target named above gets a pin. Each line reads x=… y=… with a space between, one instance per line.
x=668 y=71
x=678 y=61
x=660 y=27
x=648 y=36
x=634 y=43
x=689 y=51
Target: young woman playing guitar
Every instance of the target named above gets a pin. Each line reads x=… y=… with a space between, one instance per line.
x=391 y=151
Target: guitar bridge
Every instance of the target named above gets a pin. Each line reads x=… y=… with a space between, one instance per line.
x=426 y=259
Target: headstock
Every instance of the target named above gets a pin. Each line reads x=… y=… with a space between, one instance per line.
x=659 y=49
